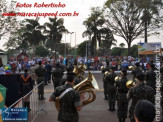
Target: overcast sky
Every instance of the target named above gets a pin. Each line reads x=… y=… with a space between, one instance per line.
x=73 y=24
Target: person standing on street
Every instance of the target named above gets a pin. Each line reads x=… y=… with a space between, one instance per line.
x=105 y=81
x=33 y=75
x=70 y=100
x=40 y=72
x=122 y=102
x=57 y=76
x=140 y=92
x=151 y=77
x=136 y=70
x=26 y=85
x=111 y=89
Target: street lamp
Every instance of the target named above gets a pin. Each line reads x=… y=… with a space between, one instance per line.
x=65 y=45
x=70 y=38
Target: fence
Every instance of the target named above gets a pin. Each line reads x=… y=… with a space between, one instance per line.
x=36 y=105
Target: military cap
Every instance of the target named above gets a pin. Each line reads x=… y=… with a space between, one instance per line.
x=70 y=69
x=57 y=64
x=145 y=111
x=140 y=74
x=112 y=68
x=25 y=70
x=137 y=64
x=39 y=62
x=152 y=66
x=70 y=76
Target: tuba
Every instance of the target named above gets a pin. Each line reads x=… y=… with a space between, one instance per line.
x=86 y=86
x=79 y=71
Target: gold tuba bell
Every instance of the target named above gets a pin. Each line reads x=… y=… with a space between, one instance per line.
x=79 y=71
x=86 y=86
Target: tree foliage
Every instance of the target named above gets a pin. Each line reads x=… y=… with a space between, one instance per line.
x=129 y=18
x=81 y=50
x=122 y=45
x=17 y=40
x=8 y=24
x=94 y=28
x=124 y=19
x=107 y=41
x=61 y=48
x=54 y=30
x=119 y=51
x=34 y=34
x=41 y=51
x=151 y=14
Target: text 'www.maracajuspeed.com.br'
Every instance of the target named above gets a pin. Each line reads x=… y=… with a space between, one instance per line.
x=38 y=14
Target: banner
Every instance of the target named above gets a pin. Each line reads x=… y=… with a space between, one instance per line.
x=148 y=48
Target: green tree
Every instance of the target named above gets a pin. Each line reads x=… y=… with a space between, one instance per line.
x=61 y=48
x=81 y=50
x=41 y=51
x=17 y=40
x=54 y=30
x=93 y=25
x=134 y=51
x=122 y=45
x=151 y=14
x=124 y=19
x=107 y=41
x=117 y=51
x=129 y=18
x=33 y=33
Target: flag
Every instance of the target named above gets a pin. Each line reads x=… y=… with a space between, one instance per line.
x=2 y=96
x=2 y=99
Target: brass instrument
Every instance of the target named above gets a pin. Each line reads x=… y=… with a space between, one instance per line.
x=107 y=73
x=79 y=71
x=82 y=66
x=85 y=86
x=117 y=78
x=130 y=84
x=102 y=67
x=131 y=67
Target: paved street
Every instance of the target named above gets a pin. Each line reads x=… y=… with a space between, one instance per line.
x=93 y=112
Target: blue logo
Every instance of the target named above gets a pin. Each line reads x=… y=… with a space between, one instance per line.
x=14 y=114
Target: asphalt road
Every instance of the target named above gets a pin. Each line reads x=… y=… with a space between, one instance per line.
x=96 y=111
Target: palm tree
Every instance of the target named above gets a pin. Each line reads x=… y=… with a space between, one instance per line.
x=151 y=11
x=33 y=33
x=54 y=30
x=107 y=40
x=94 y=25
